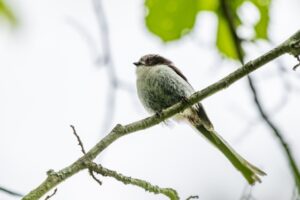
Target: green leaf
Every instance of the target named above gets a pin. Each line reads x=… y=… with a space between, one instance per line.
x=225 y=41
x=170 y=19
x=235 y=5
x=208 y=5
x=6 y=12
x=261 y=28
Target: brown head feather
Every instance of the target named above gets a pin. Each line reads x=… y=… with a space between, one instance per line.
x=155 y=59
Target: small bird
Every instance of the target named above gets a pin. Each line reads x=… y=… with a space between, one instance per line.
x=160 y=85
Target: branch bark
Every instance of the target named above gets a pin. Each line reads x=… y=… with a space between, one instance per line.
x=292 y=45
x=169 y=192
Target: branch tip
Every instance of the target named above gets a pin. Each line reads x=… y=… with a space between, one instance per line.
x=78 y=139
x=51 y=195
x=117 y=128
x=169 y=192
x=94 y=177
x=10 y=192
x=293 y=44
x=297 y=65
x=193 y=197
x=84 y=152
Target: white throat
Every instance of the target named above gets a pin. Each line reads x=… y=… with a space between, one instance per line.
x=143 y=71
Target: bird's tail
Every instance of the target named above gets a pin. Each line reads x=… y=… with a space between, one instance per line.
x=249 y=171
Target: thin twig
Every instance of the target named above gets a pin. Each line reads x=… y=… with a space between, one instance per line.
x=193 y=197
x=51 y=195
x=169 y=192
x=119 y=131
x=297 y=65
x=93 y=167
x=283 y=72
x=94 y=177
x=114 y=82
x=84 y=152
x=275 y=130
x=78 y=139
x=282 y=141
x=10 y=192
x=108 y=62
x=104 y=60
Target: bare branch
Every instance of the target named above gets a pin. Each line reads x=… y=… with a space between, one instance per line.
x=104 y=60
x=169 y=192
x=282 y=141
x=51 y=195
x=193 y=197
x=84 y=152
x=108 y=62
x=94 y=177
x=296 y=66
x=225 y=6
x=54 y=178
x=78 y=139
x=93 y=167
x=10 y=192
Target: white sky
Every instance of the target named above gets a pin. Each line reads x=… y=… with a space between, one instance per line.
x=49 y=81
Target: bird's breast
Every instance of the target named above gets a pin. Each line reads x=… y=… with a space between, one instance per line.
x=160 y=87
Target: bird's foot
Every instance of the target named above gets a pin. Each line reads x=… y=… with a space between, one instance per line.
x=158 y=114
x=185 y=100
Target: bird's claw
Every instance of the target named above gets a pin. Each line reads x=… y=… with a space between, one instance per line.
x=159 y=114
x=185 y=100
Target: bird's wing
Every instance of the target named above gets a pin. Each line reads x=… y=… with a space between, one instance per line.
x=178 y=72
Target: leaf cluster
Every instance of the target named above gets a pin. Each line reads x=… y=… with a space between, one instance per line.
x=170 y=20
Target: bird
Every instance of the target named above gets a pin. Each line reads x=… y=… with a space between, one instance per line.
x=160 y=84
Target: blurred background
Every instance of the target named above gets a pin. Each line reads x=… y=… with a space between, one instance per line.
x=70 y=62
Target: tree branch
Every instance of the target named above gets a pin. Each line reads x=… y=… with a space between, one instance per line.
x=107 y=61
x=192 y=197
x=291 y=45
x=225 y=6
x=10 y=192
x=169 y=192
x=93 y=167
x=51 y=195
x=104 y=60
x=80 y=143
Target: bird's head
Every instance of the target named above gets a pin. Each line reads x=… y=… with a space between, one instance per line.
x=151 y=60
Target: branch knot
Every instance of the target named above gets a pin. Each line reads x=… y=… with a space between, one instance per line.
x=51 y=172
x=295 y=47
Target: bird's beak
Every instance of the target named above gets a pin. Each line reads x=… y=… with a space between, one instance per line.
x=137 y=63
